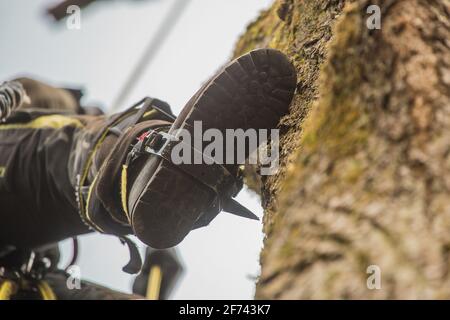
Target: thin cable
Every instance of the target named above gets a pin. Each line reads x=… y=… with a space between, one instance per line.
x=151 y=50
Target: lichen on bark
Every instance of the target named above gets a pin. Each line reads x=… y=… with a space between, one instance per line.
x=365 y=155
x=300 y=29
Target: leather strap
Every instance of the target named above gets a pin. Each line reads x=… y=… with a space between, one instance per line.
x=215 y=176
x=115 y=124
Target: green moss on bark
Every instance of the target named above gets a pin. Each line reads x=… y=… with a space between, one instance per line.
x=365 y=155
x=300 y=29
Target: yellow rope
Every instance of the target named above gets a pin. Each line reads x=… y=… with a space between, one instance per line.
x=55 y=121
x=154 y=283
x=123 y=190
x=88 y=199
x=7 y=289
x=46 y=291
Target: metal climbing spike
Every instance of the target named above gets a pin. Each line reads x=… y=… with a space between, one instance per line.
x=234 y=207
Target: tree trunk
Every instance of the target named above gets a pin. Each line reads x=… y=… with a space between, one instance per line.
x=365 y=151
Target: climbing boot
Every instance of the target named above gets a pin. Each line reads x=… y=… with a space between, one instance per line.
x=164 y=200
x=138 y=188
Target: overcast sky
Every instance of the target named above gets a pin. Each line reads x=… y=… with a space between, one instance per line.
x=222 y=259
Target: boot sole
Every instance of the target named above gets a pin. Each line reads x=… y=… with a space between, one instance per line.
x=253 y=91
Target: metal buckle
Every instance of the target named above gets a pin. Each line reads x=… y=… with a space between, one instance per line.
x=167 y=138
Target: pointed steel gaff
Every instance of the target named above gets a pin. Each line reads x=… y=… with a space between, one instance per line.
x=234 y=207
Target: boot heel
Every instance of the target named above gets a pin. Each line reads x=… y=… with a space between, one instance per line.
x=168 y=207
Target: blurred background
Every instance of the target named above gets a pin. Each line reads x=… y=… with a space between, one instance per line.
x=221 y=261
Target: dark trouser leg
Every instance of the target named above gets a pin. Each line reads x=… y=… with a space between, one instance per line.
x=40 y=162
x=37 y=197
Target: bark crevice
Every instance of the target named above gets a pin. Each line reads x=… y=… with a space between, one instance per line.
x=365 y=151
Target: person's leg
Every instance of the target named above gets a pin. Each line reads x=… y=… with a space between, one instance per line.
x=160 y=201
x=25 y=94
x=117 y=175
x=37 y=138
x=37 y=196
x=41 y=161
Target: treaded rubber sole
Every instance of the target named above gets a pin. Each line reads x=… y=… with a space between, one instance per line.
x=253 y=91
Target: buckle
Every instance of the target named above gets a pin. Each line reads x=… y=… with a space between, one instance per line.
x=156 y=142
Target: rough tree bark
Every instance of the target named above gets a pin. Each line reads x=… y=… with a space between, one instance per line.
x=365 y=158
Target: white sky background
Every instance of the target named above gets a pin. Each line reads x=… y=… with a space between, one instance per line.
x=220 y=260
